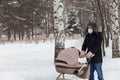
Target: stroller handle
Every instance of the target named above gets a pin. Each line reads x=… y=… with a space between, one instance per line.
x=87 y=63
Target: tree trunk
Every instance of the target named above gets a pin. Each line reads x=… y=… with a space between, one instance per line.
x=59 y=26
x=114 y=27
x=102 y=24
x=94 y=11
x=108 y=25
x=22 y=35
x=9 y=35
x=19 y=35
x=47 y=24
x=14 y=35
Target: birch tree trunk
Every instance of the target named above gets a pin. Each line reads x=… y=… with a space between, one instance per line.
x=59 y=26
x=114 y=27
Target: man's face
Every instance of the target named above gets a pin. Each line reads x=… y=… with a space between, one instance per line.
x=90 y=29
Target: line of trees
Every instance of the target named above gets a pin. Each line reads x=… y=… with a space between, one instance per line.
x=23 y=19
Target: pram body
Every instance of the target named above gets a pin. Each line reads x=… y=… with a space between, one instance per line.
x=67 y=63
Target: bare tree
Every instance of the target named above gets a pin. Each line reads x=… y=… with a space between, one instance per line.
x=59 y=25
x=114 y=27
x=103 y=22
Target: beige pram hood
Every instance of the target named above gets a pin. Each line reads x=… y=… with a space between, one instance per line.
x=69 y=55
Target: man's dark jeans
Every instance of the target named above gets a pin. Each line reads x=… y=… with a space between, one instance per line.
x=98 y=68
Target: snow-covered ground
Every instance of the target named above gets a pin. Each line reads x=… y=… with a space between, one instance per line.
x=21 y=61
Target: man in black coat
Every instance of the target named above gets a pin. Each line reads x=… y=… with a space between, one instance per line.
x=92 y=44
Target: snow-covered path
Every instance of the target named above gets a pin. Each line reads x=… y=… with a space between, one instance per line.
x=27 y=61
x=20 y=61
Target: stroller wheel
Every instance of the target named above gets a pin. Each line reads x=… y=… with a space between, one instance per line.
x=76 y=72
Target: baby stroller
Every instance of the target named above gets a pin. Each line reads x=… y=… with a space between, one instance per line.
x=67 y=63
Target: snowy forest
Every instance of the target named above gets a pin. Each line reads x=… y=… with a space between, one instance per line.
x=54 y=25
x=33 y=20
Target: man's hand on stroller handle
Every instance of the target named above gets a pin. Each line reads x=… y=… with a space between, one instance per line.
x=90 y=55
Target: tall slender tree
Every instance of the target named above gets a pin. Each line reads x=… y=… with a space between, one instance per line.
x=59 y=25
x=114 y=4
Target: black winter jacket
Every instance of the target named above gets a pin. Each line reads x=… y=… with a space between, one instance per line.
x=92 y=43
